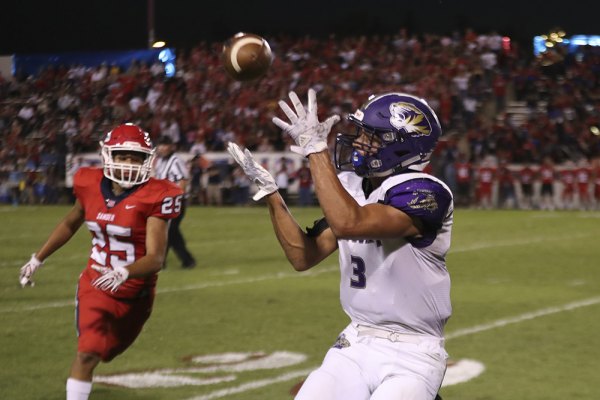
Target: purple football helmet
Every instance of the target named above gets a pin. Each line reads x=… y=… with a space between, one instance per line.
x=402 y=131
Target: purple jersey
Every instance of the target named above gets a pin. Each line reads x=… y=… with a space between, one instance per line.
x=400 y=283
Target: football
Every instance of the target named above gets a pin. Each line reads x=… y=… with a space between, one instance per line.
x=246 y=56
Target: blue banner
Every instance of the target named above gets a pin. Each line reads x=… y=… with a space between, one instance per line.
x=32 y=64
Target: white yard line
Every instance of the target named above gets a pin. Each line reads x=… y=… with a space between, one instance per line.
x=19 y=263
x=523 y=317
x=284 y=274
x=515 y=242
x=279 y=275
x=242 y=281
x=253 y=385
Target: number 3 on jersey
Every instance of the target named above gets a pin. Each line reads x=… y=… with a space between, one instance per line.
x=358 y=271
x=171 y=205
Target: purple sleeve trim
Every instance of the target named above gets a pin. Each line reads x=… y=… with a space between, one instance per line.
x=425 y=199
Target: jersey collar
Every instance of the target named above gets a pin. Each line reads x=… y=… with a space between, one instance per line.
x=110 y=199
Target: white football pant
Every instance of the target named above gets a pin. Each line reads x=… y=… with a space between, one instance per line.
x=375 y=368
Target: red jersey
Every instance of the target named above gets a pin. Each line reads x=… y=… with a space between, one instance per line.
x=486 y=175
x=597 y=183
x=304 y=177
x=597 y=177
x=526 y=176
x=118 y=223
x=505 y=178
x=463 y=172
x=546 y=174
x=567 y=177
x=583 y=176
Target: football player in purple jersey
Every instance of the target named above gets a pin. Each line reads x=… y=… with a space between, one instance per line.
x=391 y=224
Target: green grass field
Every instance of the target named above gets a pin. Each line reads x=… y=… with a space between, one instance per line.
x=525 y=291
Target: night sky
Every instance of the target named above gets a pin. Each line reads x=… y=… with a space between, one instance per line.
x=28 y=26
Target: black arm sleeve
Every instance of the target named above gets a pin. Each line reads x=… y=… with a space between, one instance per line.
x=318 y=227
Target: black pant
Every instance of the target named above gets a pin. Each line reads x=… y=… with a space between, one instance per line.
x=177 y=242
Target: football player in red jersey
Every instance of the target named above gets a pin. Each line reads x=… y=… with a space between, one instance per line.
x=486 y=177
x=596 y=177
x=583 y=177
x=127 y=213
x=567 y=178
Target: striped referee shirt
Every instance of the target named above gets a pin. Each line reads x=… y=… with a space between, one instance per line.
x=172 y=168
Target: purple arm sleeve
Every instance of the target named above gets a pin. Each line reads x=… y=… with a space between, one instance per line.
x=422 y=198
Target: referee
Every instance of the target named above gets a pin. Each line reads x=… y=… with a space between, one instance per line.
x=170 y=166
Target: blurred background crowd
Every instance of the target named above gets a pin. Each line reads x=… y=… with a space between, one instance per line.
x=519 y=131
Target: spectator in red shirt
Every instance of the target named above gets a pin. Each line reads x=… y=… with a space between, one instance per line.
x=499 y=87
x=464 y=177
x=567 y=178
x=305 y=194
x=596 y=177
x=486 y=176
x=583 y=177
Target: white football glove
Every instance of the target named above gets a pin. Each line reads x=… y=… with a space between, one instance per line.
x=28 y=270
x=255 y=172
x=111 y=278
x=308 y=133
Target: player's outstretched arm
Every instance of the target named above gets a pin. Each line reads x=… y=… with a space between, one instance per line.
x=344 y=215
x=303 y=251
x=347 y=218
x=58 y=237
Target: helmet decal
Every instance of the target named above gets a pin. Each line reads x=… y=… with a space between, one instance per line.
x=410 y=118
x=359 y=115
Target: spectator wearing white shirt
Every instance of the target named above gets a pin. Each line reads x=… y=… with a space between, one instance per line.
x=282 y=179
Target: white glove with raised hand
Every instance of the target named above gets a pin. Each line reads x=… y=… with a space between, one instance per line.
x=253 y=170
x=111 y=278
x=28 y=270
x=308 y=133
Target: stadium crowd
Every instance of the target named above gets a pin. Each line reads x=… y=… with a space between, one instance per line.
x=545 y=156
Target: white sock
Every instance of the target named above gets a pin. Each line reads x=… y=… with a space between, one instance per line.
x=78 y=390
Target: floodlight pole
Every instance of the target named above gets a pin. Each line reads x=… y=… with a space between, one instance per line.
x=150 y=7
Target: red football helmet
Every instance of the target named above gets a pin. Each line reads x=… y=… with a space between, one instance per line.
x=127 y=138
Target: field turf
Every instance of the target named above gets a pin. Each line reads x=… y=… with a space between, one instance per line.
x=525 y=292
